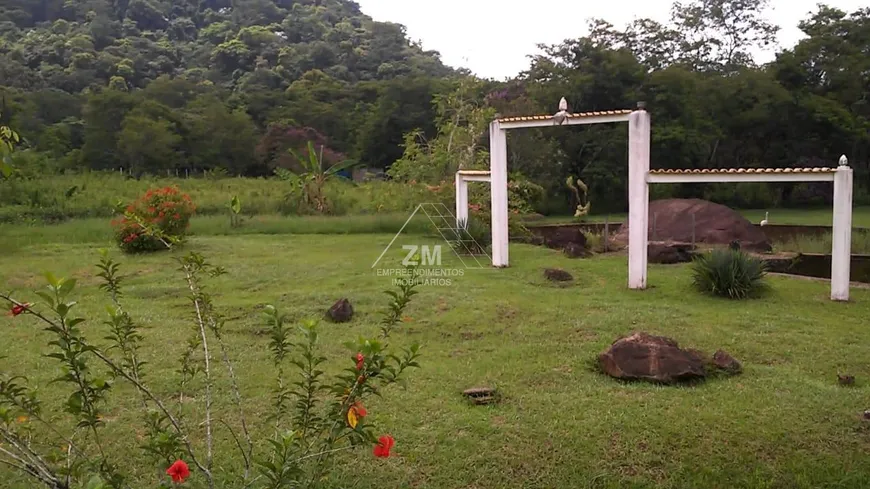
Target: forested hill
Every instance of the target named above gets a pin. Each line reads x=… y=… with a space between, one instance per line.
x=160 y=85
x=166 y=86
x=88 y=44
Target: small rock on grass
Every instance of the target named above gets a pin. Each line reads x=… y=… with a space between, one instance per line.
x=724 y=361
x=340 y=312
x=574 y=250
x=846 y=379
x=481 y=395
x=558 y=275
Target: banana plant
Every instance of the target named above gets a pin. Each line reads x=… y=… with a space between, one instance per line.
x=8 y=139
x=235 y=211
x=309 y=184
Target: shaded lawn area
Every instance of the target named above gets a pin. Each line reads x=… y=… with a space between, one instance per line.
x=785 y=423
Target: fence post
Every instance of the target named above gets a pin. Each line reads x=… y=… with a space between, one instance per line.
x=606 y=232
x=461 y=202
x=498 y=194
x=841 y=252
x=638 y=196
x=693 y=230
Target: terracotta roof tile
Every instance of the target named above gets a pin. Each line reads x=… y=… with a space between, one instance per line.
x=528 y=118
x=743 y=170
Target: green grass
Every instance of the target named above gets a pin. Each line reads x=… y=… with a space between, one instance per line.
x=55 y=198
x=822 y=244
x=785 y=423
x=98 y=231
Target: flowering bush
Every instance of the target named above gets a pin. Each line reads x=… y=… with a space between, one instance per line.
x=312 y=416
x=157 y=216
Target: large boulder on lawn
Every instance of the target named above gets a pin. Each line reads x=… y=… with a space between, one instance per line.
x=340 y=312
x=643 y=356
x=714 y=224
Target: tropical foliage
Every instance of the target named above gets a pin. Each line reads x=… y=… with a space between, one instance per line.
x=168 y=88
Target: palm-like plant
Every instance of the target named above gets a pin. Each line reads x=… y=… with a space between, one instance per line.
x=8 y=139
x=732 y=274
x=308 y=185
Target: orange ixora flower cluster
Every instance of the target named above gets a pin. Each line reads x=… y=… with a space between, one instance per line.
x=357 y=411
x=157 y=213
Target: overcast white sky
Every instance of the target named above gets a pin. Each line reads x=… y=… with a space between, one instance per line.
x=493 y=37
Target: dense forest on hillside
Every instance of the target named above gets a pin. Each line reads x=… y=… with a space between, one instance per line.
x=158 y=87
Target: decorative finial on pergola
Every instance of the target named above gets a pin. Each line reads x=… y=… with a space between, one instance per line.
x=641 y=106
x=562 y=115
x=844 y=161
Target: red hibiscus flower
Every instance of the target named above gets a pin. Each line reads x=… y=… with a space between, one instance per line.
x=360 y=361
x=385 y=444
x=18 y=309
x=360 y=410
x=178 y=471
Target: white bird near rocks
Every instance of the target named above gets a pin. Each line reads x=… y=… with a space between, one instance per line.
x=764 y=222
x=562 y=115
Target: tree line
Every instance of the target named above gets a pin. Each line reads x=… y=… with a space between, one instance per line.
x=157 y=86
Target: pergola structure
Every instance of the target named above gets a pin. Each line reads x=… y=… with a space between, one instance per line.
x=639 y=179
x=841 y=177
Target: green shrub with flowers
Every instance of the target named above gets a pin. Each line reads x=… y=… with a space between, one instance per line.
x=158 y=216
x=313 y=416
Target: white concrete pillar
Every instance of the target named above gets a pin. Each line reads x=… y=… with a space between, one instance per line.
x=499 y=193
x=638 y=197
x=461 y=200
x=841 y=254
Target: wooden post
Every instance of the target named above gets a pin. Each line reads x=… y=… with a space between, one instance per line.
x=606 y=232
x=841 y=253
x=638 y=196
x=693 y=230
x=461 y=201
x=499 y=194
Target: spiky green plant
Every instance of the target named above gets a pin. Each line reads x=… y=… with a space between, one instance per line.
x=728 y=273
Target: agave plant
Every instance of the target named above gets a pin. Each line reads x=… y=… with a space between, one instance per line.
x=308 y=185
x=729 y=273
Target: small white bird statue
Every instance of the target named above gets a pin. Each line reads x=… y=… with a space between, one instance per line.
x=562 y=115
x=764 y=222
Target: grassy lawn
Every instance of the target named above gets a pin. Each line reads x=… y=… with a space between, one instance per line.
x=785 y=423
